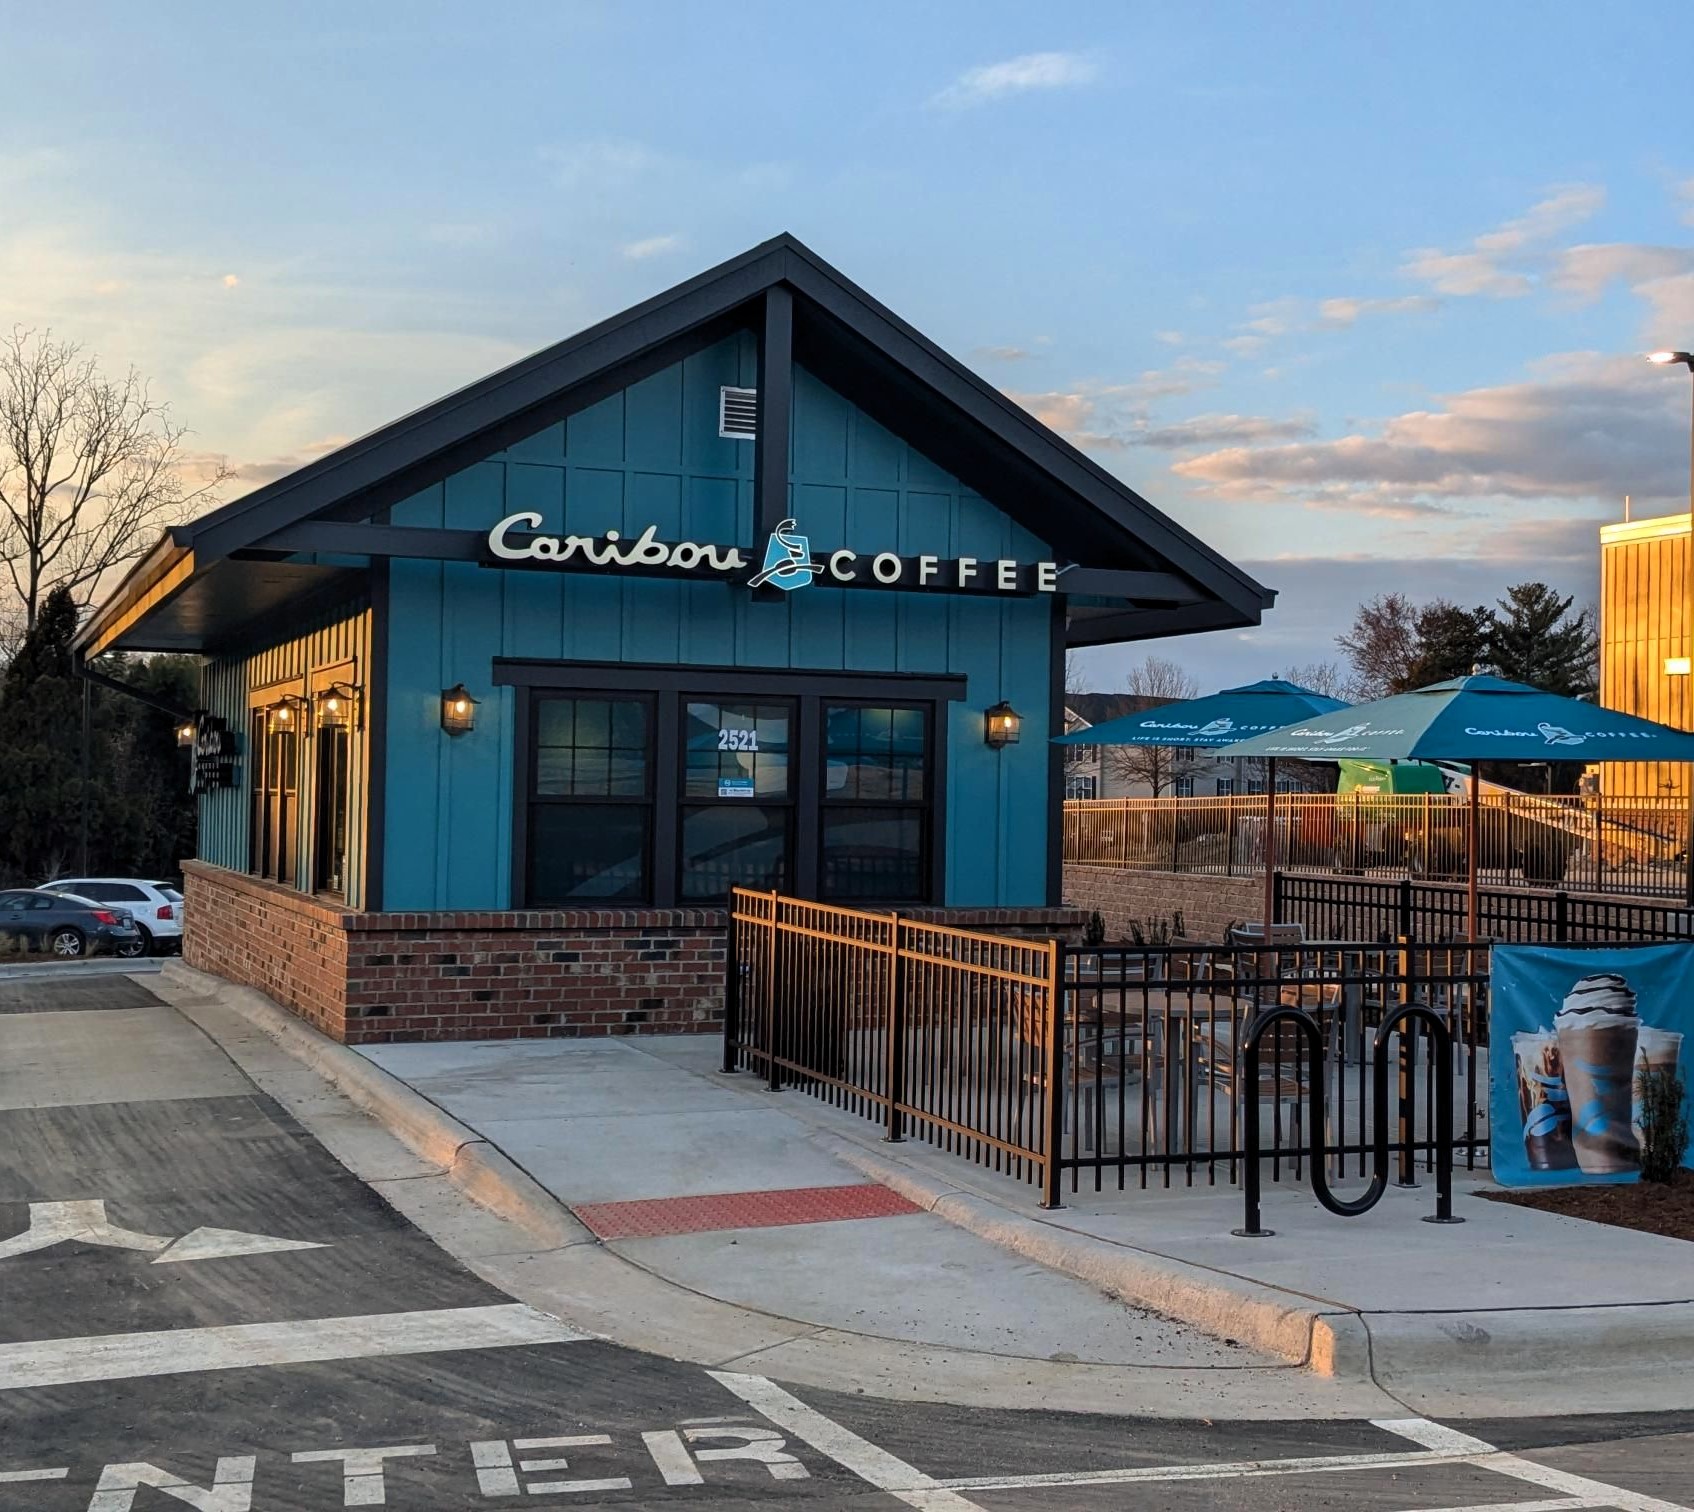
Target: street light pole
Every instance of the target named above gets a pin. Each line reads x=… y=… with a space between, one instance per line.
x=1686 y=359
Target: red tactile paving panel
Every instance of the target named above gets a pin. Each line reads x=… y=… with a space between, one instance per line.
x=732 y=1210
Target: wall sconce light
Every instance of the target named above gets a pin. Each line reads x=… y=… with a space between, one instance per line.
x=458 y=710
x=188 y=733
x=284 y=717
x=1002 y=725
x=338 y=705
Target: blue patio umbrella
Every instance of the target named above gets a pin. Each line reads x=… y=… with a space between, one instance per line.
x=1218 y=720
x=1472 y=719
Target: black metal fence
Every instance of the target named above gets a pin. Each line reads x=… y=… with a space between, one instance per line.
x=1154 y=1085
x=1349 y=908
x=1118 y=1066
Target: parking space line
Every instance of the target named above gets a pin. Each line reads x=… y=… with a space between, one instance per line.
x=113 y=1357
x=1315 y=1464
x=1579 y=1488
x=1558 y=1504
x=876 y=1467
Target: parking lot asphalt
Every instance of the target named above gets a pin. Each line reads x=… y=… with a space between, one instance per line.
x=202 y=1307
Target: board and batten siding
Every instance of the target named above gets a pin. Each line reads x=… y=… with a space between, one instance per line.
x=651 y=454
x=339 y=635
x=1644 y=598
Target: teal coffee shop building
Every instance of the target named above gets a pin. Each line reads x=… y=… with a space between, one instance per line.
x=750 y=585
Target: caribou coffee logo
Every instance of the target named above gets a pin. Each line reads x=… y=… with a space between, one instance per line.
x=1216 y=727
x=788 y=562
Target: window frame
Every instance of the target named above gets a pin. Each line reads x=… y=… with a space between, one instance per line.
x=273 y=831
x=929 y=838
x=530 y=745
x=670 y=687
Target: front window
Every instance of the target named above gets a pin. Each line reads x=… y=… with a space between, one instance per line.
x=1226 y=787
x=876 y=800
x=1082 y=785
x=675 y=796
x=1183 y=787
x=591 y=801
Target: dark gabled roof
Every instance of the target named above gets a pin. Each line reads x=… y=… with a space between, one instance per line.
x=851 y=341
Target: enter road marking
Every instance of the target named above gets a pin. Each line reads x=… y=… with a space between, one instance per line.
x=116 y=1357
x=876 y=1467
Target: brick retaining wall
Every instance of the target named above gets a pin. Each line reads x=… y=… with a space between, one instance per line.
x=375 y=978
x=1209 y=905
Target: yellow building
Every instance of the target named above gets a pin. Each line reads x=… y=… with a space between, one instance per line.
x=1644 y=641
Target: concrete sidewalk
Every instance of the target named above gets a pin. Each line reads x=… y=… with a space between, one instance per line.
x=1449 y=1319
x=705 y=1215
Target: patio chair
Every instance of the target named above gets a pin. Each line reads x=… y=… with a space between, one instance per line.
x=1083 y=1071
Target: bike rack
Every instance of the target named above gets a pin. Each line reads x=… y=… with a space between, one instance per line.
x=1317 y=1122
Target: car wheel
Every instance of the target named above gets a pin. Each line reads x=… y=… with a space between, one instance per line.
x=139 y=946
x=65 y=943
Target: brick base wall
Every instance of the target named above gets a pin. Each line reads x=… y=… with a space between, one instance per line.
x=1208 y=905
x=376 y=978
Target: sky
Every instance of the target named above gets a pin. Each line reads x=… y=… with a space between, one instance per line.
x=1356 y=292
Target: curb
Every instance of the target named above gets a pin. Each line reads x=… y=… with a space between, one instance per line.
x=485 y=1173
x=1328 y=1342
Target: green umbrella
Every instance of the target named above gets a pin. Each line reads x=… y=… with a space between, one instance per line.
x=1218 y=720
x=1472 y=719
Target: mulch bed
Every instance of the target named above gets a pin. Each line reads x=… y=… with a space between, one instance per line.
x=1646 y=1205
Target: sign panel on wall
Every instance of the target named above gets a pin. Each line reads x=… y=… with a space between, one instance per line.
x=1569 y=1030
x=788 y=562
x=214 y=755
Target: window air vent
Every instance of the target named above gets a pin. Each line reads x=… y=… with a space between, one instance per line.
x=738 y=413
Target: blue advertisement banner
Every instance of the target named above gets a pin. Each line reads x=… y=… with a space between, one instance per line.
x=1568 y=1031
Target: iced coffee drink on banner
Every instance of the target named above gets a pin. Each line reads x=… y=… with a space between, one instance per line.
x=1655 y=1050
x=1543 y=1102
x=1598 y=1032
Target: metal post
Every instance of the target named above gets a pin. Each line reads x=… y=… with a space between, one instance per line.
x=731 y=992
x=768 y=990
x=894 y=1130
x=1408 y=1176
x=84 y=785
x=1270 y=846
x=1053 y=1063
x=1229 y=845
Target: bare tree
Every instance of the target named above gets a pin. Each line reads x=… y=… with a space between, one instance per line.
x=1381 y=645
x=1324 y=677
x=1155 y=681
x=91 y=469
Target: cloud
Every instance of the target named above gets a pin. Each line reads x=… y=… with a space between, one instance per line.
x=1493 y=266
x=1109 y=416
x=1587 y=271
x=1685 y=193
x=1585 y=427
x=1002 y=354
x=651 y=246
x=1020 y=75
x=1170 y=338
x=1341 y=313
x=609 y=162
x=247 y=476
x=230 y=281
x=1224 y=430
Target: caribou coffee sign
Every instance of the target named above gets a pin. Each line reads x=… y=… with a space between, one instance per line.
x=787 y=564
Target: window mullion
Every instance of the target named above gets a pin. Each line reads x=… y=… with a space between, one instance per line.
x=665 y=758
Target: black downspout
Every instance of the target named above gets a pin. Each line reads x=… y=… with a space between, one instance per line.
x=82 y=787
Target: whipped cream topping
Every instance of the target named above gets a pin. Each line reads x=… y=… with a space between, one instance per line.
x=1597 y=1001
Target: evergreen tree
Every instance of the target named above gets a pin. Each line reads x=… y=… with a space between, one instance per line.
x=1537 y=640
x=1450 y=642
x=140 y=818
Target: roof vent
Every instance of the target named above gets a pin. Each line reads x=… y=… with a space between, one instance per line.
x=738 y=413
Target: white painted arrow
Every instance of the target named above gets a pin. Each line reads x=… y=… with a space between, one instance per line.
x=53 y=1223
x=222 y=1244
